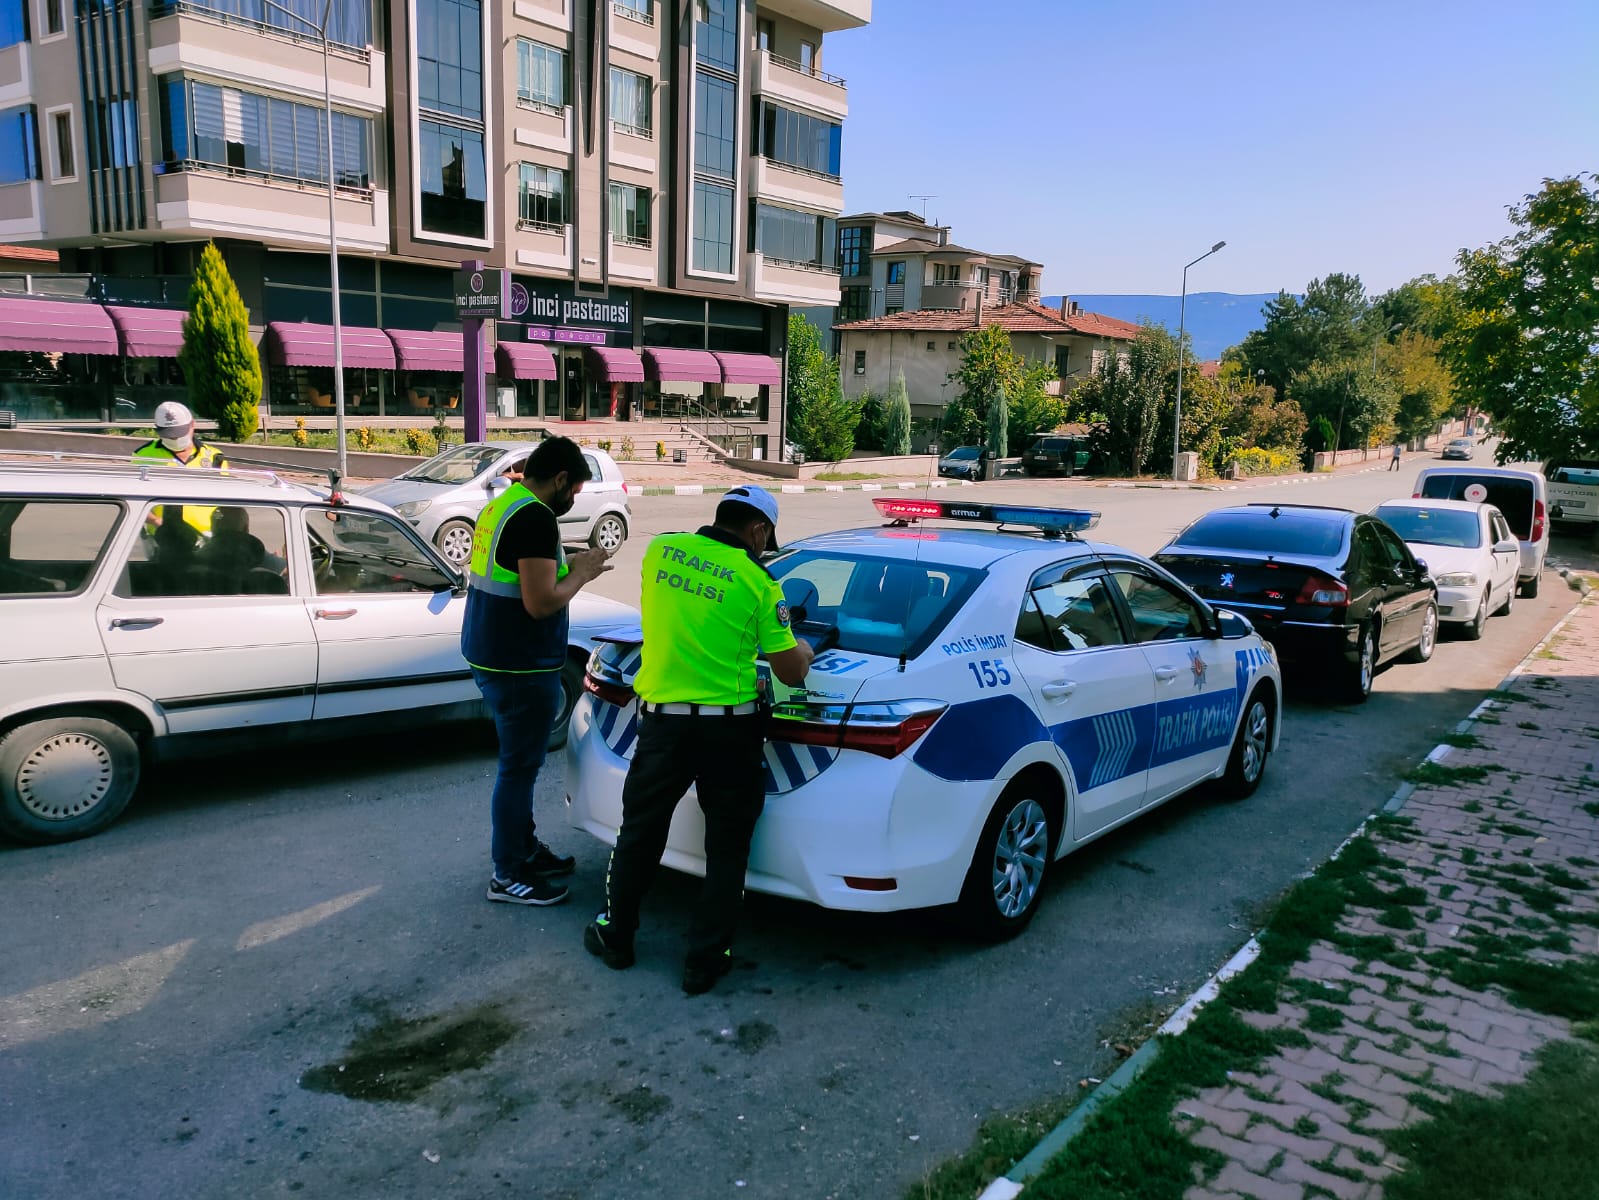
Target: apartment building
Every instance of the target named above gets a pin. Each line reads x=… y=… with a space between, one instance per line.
x=897 y=262
x=661 y=177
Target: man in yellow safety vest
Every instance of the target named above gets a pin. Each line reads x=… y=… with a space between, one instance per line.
x=175 y=444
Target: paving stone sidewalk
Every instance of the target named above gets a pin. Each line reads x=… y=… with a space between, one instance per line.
x=1512 y=853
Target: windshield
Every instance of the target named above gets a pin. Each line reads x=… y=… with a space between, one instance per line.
x=879 y=607
x=1510 y=495
x=460 y=465
x=1434 y=526
x=1586 y=473
x=963 y=452
x=1286 y=533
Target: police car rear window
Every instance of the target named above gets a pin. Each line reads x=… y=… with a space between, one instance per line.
x=1509 y=495
x=880 y=606
x=1288 y=532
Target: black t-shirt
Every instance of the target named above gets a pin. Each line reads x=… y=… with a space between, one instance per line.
x=530 y=532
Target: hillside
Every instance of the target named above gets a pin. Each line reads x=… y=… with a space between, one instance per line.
x=1216 y=320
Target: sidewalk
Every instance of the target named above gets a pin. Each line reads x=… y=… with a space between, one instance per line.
x=1448 y=950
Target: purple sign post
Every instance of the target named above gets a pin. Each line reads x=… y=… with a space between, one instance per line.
x=480 y=295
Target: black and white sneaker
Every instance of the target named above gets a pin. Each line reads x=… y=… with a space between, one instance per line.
x=531 y=889
x=544 y=861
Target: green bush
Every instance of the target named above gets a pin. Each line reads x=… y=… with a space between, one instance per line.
x=416 y=442
x=1258 y=460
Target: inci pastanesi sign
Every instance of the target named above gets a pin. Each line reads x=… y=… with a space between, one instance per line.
x=553 y=304
x=485 y=293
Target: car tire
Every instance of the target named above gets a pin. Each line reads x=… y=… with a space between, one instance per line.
x=1505 y=609
x=1529 y=588
x=1472 y=629
x=65 y=777
x=454 y=542
x=1358 y=675
x=571 y=692
x=1006 y=878
x=1422 y=650
x=608 y=534
x=1246 y=765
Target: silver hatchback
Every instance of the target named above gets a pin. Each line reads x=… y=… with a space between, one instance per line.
x=442 y=497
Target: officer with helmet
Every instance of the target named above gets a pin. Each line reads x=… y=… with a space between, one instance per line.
x=175 y=444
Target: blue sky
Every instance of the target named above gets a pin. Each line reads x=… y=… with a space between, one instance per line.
x=1115 y=140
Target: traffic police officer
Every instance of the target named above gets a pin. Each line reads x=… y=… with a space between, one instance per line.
x=709 y=607
x=514 y=637
x=176 y=445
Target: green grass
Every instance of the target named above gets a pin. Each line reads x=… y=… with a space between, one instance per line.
x=1462 y=741
x=1001 y=1142
x=1437 y=775
x=845 y=476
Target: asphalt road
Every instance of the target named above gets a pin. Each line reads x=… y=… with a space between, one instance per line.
x=178 y=994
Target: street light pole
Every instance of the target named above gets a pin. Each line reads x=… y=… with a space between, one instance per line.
x=1182 y=327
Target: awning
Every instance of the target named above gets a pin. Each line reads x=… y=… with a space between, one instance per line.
x=616 y=364
x=55 y=327
x=749 y=368
x=301 y=344
x=148 y=332
x=432 y=350
x=682 y=366
x=524 y=360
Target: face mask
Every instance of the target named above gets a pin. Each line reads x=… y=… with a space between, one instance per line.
x=561 y=503
x=179 y=444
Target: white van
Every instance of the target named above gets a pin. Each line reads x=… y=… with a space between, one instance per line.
x=1519 y=493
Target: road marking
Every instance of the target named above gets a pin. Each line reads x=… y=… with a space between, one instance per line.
x=84 y=1001
x=263 y=932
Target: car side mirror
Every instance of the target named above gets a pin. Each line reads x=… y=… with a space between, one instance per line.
x=496 y=485
x=1231 y=625
x=1421 y=565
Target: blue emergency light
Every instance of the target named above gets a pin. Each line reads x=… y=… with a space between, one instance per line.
x=1053 y=522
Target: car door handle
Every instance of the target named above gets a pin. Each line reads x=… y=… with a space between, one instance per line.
x=136 y=622
x=1165 y=674
x=335 y=614
x=1059 y=690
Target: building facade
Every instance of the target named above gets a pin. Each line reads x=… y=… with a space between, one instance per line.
x=662 y=177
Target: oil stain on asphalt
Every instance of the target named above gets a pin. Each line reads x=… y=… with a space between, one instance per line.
x=399 y=1058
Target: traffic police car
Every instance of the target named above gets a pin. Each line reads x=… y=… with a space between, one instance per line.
x=985 y=701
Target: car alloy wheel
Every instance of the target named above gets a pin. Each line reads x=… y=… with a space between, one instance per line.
x=609 y=533
x=1246 y=766
x=1364 y=669
x=1473 y=628
x=1423 y=648
x=1020 y=856
x=454 y=540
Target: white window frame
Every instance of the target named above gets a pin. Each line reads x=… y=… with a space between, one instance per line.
x=50 y=115
x=43 y=36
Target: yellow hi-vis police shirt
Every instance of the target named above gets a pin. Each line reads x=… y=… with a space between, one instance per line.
x=708 y=607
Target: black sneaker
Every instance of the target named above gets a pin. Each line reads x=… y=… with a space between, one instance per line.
x=701 y=977
x=605 y=945
x=530 y=889
x=544 y=861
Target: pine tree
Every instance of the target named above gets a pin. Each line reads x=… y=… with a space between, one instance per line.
x=998 y=432
x=219 y=360
x=897 y=419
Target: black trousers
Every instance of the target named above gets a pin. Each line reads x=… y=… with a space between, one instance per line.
x=722 y=757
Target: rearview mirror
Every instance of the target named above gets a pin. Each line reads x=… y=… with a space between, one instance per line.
x=1231 y=625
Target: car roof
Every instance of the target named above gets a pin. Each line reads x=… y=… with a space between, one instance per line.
x=137 y=481
x=1433 y=505
x=1264 y=509
x=954 y=547
x=1503 y=472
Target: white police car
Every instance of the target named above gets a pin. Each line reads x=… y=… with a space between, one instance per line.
x=988 y=701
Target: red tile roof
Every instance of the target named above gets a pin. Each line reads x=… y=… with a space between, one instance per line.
x=29 y=254
x=1012 y=318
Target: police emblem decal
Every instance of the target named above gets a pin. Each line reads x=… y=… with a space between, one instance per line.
x=1196 y=664
x=782 y=613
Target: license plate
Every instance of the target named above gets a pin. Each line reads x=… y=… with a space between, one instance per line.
x=1574 y=504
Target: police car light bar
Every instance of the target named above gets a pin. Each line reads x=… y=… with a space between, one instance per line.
x=1054 y=522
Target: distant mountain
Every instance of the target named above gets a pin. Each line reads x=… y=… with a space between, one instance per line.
x=1216 y=320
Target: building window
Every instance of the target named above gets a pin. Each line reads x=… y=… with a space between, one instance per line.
x=454 y=183
x=807 y=57
x=713 y=227
x=715 y=122
x=893 y=309
x=13 y=22
x=853 y=303
x=790 y=236
x=896 y=272
x=543 y=197
x=716 y=34
x=19 y=145
x=630 y=214
x=943 y=273
x=449 y=57
x=630 y=102
x=951 y=346
x=850 y=240
x=860 y=362
x=800 y=140
x=66 y=161
x=765 y=34
x=540 y=75
x=210 y=126
x=931 y=346
x=54 y=19
x=118 y=127
x=349 y=24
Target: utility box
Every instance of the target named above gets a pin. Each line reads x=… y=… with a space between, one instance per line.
x=1186 y=469
x=505 y=402
x=680 y=455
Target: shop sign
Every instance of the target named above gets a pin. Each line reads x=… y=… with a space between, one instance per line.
x=483 y=294
x=549 y=304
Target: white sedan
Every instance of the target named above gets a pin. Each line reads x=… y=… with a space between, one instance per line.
x=1470 y=551
x=985 y=702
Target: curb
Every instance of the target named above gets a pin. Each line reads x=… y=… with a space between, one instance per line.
x=1013 y=1182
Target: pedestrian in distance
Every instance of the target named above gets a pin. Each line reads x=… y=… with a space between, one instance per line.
x=1393 y=463
x=709 y=607
x=514 y=636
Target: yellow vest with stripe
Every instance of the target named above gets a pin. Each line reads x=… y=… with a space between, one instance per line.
x=205 y=455
x=497 y=632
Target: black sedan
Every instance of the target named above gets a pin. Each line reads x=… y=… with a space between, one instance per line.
x=1325 y=586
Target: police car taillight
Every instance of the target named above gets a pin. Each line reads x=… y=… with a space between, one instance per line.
x=618 y=694
x=1054 y=522
x=886 y=730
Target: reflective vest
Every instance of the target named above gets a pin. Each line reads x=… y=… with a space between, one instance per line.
x=497 y=632
x=205 y=455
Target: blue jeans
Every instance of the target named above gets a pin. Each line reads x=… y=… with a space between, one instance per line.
x=524 y=708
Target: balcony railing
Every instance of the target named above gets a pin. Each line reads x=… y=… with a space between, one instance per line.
x=794 y=264
x=822 y=175
x=638 y=131
x=523 y=100
x=788 y=64
x=527 y=223
x=638 y=243
x=284 y=33
x=351 y=186
x=628 y=13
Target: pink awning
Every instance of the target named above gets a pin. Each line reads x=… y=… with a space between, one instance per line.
x=616 y=364
x=55 y=327
x=524 y=360
x=682 y=366
x=759 y=369
x=301 y=344
x=148 y=332
x=431 y=350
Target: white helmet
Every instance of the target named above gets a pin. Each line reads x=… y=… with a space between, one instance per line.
x=174 y=425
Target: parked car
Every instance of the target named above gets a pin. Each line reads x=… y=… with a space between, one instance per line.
x=1574 y=492
x=965 y=462
x=1521 y=494
x=442 y=497
x=1461 y=448
x=1470 y=551
x=1053 y=454
x=127 y=634
x=1328 y=587
x=985 y=702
